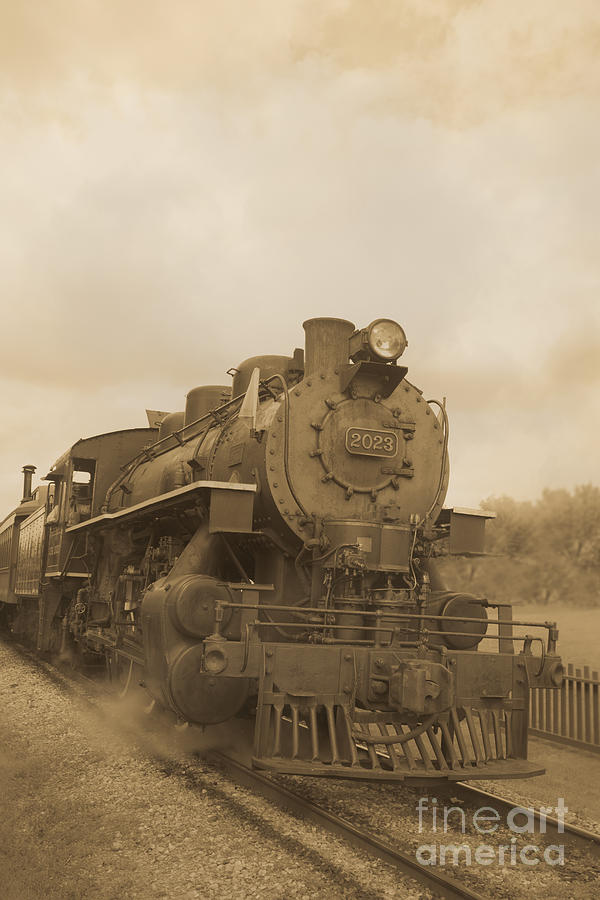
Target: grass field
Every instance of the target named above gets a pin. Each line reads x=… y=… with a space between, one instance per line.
x=578 y=629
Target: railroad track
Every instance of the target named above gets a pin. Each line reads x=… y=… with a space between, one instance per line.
x=434 y=879
x=544 y=824
x=439 y=883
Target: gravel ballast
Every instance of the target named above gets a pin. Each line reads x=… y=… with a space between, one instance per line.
x=100 y=801
x=90 y=807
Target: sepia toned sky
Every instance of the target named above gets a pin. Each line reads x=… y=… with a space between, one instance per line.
x=183 y=183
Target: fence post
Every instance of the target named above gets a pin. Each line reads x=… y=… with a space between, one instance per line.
x=533 y=708
x=570 y=700
x=595 y=709
x=556 y=695
x=578 y=688
x=586 y=705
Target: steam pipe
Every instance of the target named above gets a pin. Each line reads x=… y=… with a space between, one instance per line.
x=196 y=555
x=27 y=476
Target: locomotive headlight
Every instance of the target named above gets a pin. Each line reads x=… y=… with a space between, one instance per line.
x=386 y=339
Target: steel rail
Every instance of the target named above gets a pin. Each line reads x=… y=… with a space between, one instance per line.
x=442 y=885
x=550 y=823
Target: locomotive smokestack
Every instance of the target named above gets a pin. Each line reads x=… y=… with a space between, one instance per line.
x=27 y=476
x=326 y=344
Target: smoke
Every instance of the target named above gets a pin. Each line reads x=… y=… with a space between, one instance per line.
x=157 y=732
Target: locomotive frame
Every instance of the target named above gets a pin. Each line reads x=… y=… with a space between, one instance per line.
x=269 y=556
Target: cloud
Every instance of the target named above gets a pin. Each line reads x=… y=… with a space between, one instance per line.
x=453 y=61
x=575 y=365
x=184 y=183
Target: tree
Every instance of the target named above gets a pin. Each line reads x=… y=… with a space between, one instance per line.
x=514 y=531
x=570 y=524
x=543 y=552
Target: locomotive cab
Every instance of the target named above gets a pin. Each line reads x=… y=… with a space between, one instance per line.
x=51 y=565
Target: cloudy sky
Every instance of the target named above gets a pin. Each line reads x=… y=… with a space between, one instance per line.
x=184 y=182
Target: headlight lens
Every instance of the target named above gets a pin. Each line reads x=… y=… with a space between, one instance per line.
x=387 y=339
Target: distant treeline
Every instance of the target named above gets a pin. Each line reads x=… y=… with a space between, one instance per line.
x=543 y=552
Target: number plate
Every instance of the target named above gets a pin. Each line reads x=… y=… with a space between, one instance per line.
x=370 y=442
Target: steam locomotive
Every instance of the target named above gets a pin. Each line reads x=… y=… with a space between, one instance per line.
x=269 y=555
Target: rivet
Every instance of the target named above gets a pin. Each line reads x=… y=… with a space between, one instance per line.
x=428 y=411
x=280 y=418
x=275 y=484
x=297 y=393
x=281 y=500
x=272 y=468
x=348 y=657
x=274 y=434
x=268 y=652
x=322 y=377
x=309 y=383
x=406 y=388
x=418 y=398
x=286 y=512
x=272 y=452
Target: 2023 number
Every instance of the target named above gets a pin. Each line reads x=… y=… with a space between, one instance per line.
x=371 y=442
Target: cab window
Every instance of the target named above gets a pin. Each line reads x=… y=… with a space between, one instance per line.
x=82 y=489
